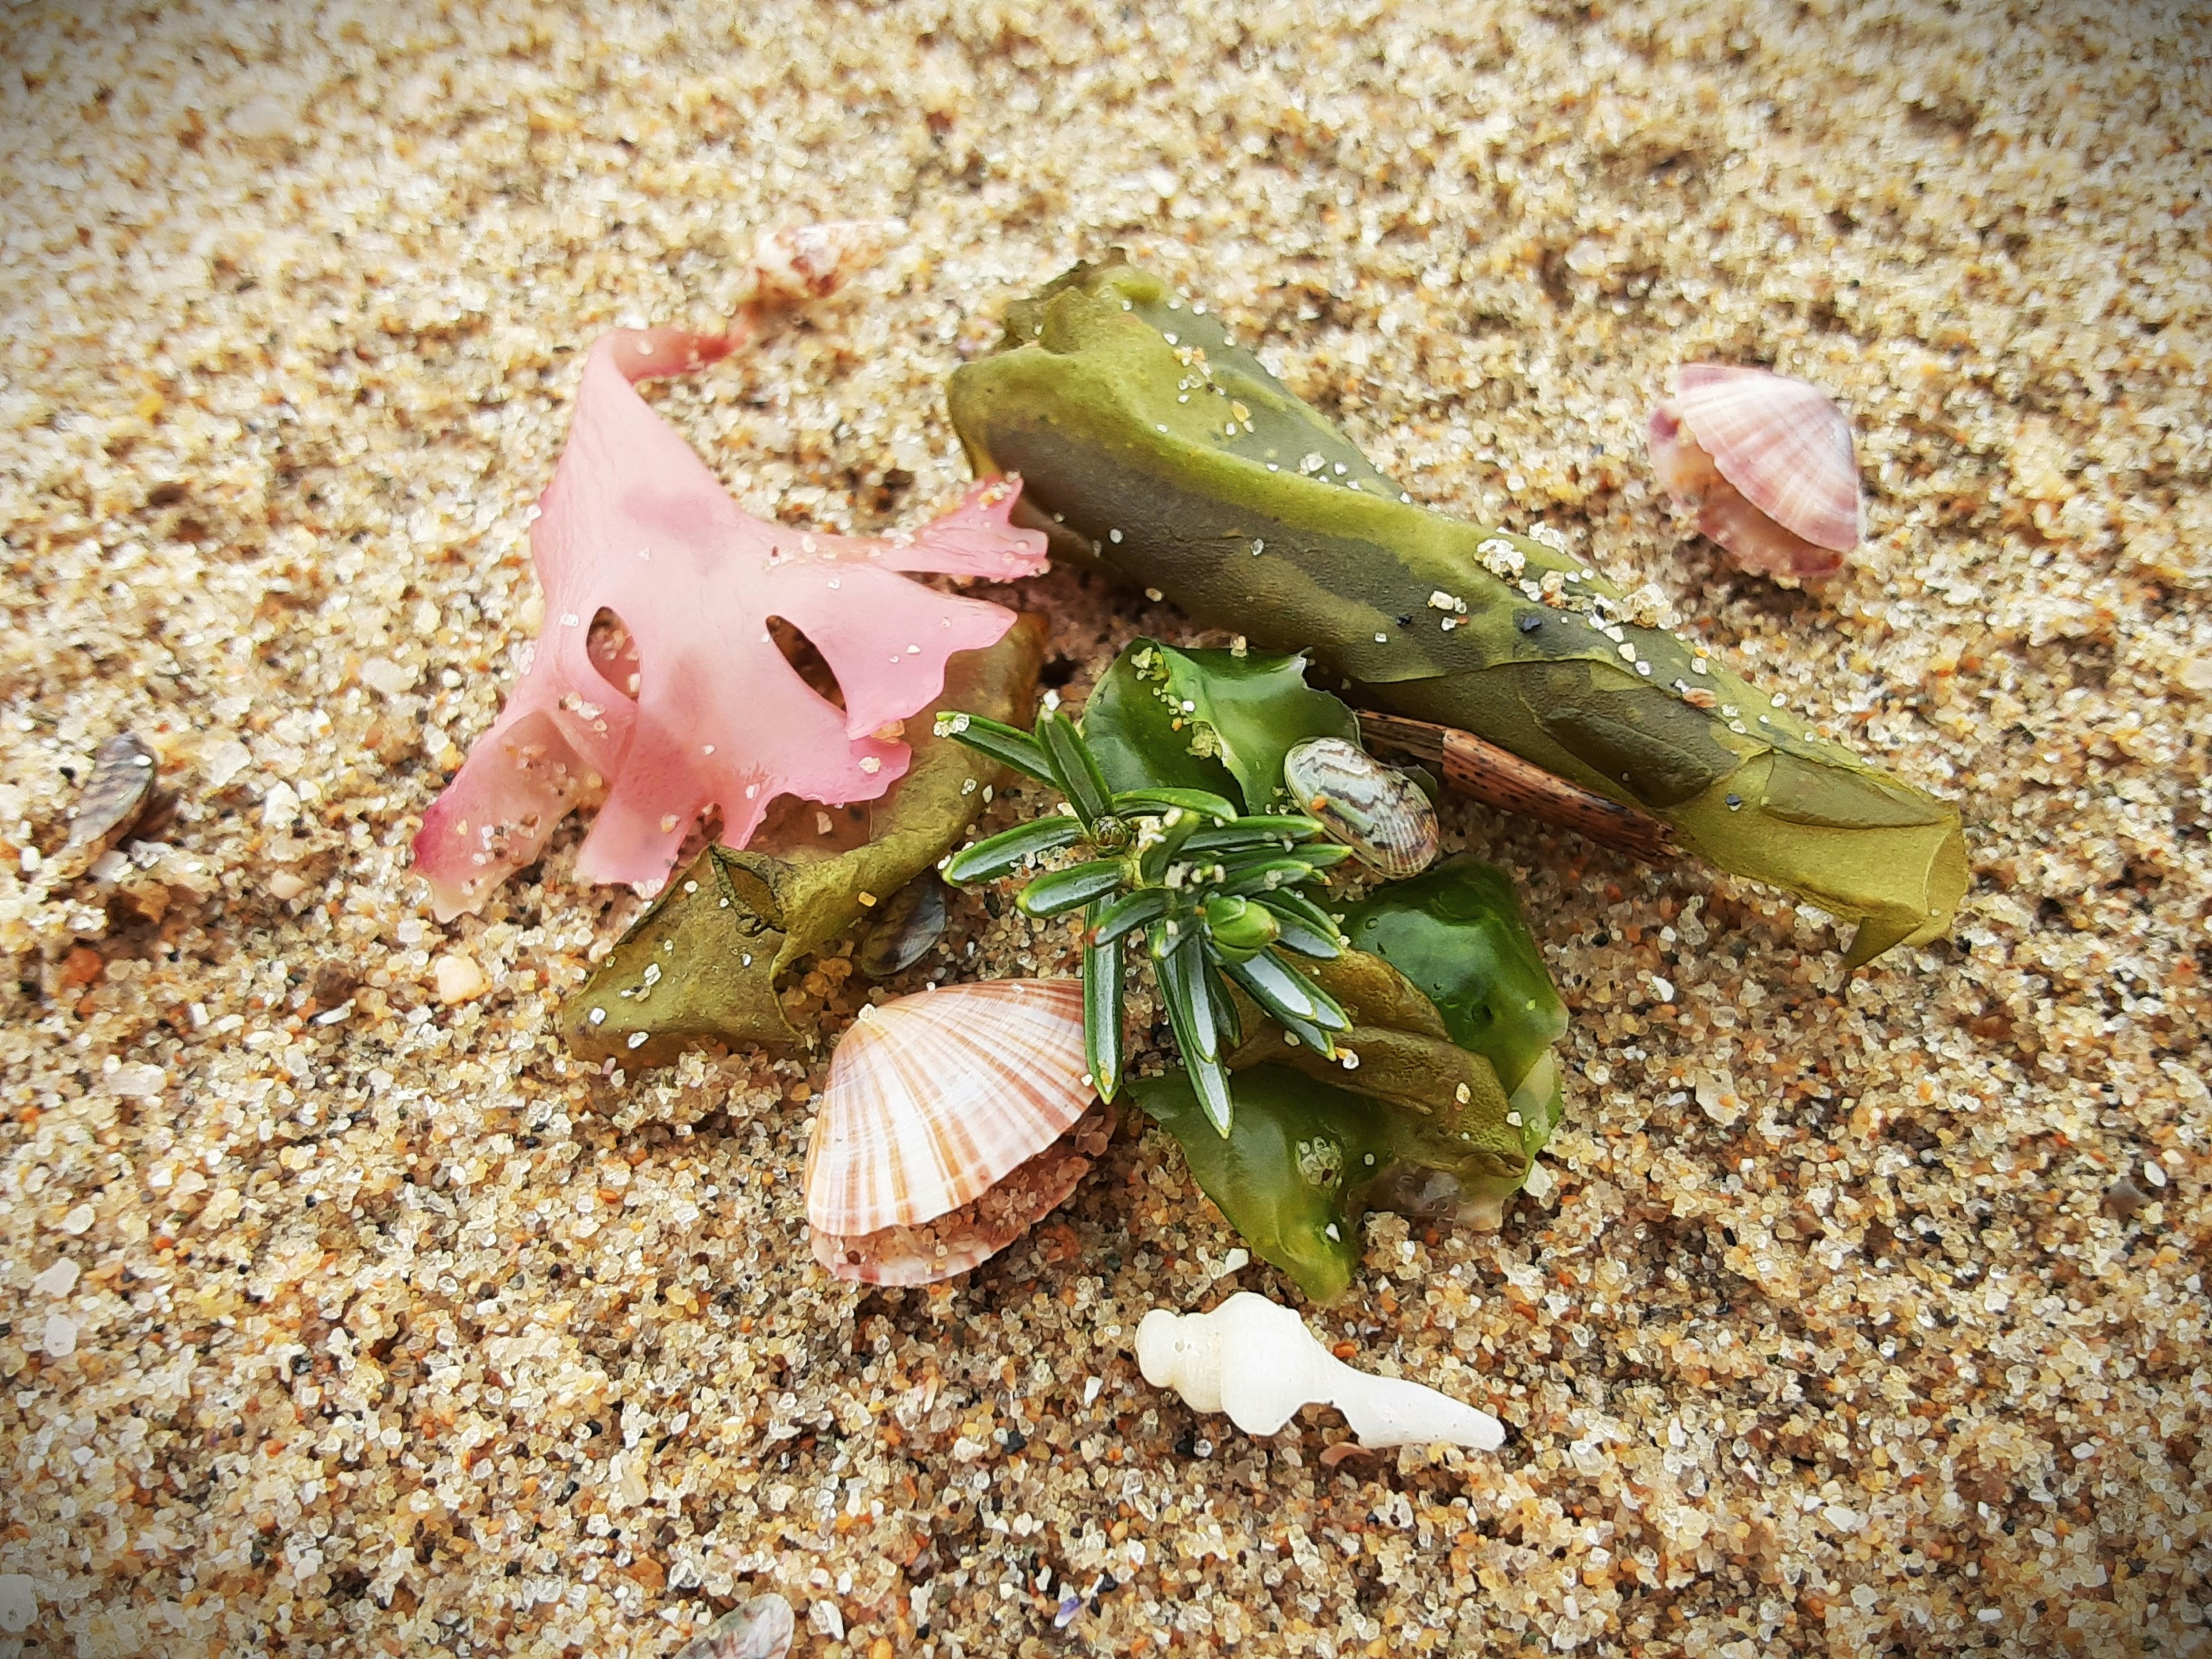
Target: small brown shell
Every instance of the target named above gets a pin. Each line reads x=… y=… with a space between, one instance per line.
x=904 y=927
x=1376 y=811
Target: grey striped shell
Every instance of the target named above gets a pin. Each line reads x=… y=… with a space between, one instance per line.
x=1376 y=811
x=120 y=790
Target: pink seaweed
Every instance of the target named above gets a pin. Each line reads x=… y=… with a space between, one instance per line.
x=634 y=523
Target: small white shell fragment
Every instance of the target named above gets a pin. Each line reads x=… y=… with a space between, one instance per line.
x=1256 y=1360
x=58 y=1280
x=459 y=979
x=19 y=1602
x=762 y=1628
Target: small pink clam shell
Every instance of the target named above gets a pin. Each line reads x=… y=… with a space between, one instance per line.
x=1768 y=463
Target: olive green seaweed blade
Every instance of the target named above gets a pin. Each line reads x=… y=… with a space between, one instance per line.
x=1456 y=932
x=1287 y=1171
x=1180 y=462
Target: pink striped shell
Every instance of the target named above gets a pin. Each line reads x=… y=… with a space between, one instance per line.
x=1784 y=444
x=935 y=1098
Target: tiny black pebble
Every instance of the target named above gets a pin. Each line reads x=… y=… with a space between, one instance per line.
x=1528 y=622
x=1016 y=1440
x=569 y=1492
x=1108 y=1583
x=1188 y=1446
x=1406 y=620
x=515 y=1570
x=2011 y=1527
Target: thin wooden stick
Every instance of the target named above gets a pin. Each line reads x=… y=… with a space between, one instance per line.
x=1497 y=777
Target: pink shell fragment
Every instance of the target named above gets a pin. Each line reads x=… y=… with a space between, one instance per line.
x=634 y=523
x=1766 y=461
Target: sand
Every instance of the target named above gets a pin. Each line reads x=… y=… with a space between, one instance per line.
x=344 y=1314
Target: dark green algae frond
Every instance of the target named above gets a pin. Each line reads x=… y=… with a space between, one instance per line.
x=1176 y=459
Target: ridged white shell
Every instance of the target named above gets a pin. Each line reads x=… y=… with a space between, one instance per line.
x=1784 y=444
x=935 y=1098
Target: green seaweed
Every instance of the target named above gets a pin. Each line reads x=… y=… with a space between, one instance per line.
x=1285 y=1172
x=1176 y=459
x=1220 y=720
x=1450 y=996
x=706 y=963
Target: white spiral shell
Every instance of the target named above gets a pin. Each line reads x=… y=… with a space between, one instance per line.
x=1256 y=1360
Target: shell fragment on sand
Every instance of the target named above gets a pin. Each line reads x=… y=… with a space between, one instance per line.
x=762 y=1628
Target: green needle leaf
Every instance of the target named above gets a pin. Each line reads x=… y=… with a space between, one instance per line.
x=1295 y=934
x=1008 y=746
x=1131 y=802
x=1102 y=1012
x=988 y=859
x=1287 y=994
x=1271 y=875
x=1296 y=907
x=1059 y=891
x=1072 y=765
x=1185 y=983
x=1254 y=832
x=1110 y=922
x=1177 y=828
x=1226 y=1019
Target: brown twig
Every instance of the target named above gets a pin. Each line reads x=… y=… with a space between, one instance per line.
x=1497 y=777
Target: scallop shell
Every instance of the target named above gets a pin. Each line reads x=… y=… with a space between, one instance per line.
x=1783 y=444
x=1376 y=811
x=934 y=1098
x=969 y=1236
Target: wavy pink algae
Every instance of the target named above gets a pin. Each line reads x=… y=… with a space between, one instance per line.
x=634 y=524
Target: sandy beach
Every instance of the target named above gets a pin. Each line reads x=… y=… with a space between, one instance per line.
x=343 y=1313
